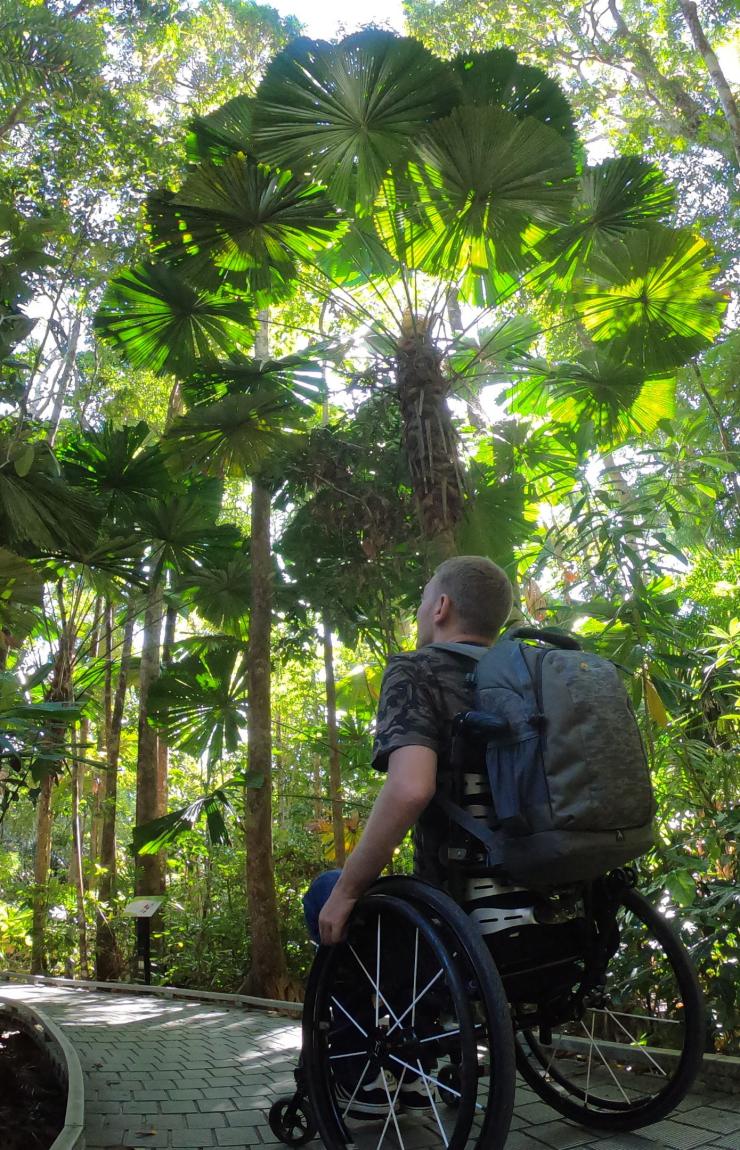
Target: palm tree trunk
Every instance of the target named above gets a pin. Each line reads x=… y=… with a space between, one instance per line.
x=268 y=966
x=335 y=776
x=107 y=958
x=150 y=877
x=429 y=440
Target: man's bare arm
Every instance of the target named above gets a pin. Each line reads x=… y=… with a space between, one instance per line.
x=408 y=789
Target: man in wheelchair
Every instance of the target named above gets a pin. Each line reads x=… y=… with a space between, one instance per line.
x=467 y=600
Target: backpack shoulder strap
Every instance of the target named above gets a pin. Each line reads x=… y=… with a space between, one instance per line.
x=472 y=650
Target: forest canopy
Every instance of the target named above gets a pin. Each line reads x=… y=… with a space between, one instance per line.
x=283 y=323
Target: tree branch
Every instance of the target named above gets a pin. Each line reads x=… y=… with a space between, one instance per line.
x=708 y=55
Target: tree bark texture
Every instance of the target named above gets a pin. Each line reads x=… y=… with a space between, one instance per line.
x=108 y=964
x=149 y=790
x=429 y=440
x=335 y=775
x=268 y=968
x=709 y=56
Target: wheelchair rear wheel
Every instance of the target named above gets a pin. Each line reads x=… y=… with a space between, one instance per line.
x=634 y=1047
x=393 y=1016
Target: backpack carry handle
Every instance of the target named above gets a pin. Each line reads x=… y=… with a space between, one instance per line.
x=544 y=635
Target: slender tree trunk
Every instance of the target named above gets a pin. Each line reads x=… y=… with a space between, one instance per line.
x=429 y=440
x=335 y=777
x=281 y=773
x=62 y=382
x=108 y=963
x=150 y=877
x=709 y=56
x=60 y=690
x=268 y=968
x=41 y=861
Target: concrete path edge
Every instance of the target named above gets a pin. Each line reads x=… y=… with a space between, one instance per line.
x=57 y=1046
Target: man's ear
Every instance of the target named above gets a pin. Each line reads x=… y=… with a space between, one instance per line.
x=442 y=609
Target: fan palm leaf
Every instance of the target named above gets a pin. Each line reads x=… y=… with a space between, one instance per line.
x=245 y=220
x=490 y=185
x=221 y=593
x=615 y=397
x=650 y=295
x=349 y=111
x=212 y=138
x=183 y=529
x=234 y=436
x=614 y=197
x=302 y=374
x=497 y=77
x=161 y=322
x=200 y=702
x=117 y=465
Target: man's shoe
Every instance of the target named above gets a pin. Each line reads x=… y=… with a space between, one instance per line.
x=370 y=1101
x=414 y=1097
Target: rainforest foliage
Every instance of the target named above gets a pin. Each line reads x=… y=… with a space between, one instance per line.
x=284 y=322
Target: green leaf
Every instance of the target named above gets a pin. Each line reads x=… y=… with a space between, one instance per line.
x=349 y=111
x=497 y=77
x=220 y=134
x=489 y=187
x=616 y=196
x=23 y=461
x=614 y=397
x=248 y=222
x=200 y=702
x=159 y=321
x=650 y=294
x=152 y=837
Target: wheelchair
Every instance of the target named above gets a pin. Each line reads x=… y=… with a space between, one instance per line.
x=585 y=990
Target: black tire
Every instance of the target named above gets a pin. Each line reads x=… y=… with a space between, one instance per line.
x=291 y=1120
x=486 y=991
x=396 y=964
x=636 y=1061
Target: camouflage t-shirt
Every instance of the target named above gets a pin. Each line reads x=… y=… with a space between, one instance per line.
x=422 y=691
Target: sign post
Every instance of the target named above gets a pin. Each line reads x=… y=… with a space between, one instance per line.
x=143 y=909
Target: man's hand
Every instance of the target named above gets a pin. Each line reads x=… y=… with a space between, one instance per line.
x=411 y=782
x=334 y=916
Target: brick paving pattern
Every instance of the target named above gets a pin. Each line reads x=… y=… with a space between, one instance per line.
x=184 y=1074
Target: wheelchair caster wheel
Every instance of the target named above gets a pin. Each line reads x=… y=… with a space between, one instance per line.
x=291 y=1121
x=449 y=1076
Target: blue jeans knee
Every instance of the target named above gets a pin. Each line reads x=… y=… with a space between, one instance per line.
x=315 y=897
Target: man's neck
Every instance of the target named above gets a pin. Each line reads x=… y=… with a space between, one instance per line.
x=462 y=637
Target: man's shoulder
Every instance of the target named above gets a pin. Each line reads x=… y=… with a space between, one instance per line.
x=430 y=662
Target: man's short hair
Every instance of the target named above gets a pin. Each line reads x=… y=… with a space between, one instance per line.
x=480 y=591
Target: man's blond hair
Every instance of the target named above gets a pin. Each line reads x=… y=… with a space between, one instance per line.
x=480 y=591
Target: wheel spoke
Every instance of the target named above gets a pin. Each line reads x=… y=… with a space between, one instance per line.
x=590 y=1053
x=354 y=1054
x=641 y=1049
x=391 y=1110
x=376 y=987
x=416 y=998
x=347 y=1014
x=360 y=1081
x=594 y=1046
x=425 y=1080
x=430 y=1078
x=442 y=1035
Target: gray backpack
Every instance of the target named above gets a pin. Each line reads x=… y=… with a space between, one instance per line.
x=569 y=779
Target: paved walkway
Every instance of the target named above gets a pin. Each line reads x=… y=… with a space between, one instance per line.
x=181 y=1074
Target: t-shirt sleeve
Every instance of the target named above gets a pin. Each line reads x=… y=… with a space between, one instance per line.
x=407 y=715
